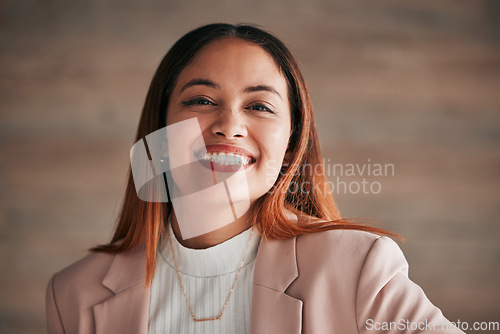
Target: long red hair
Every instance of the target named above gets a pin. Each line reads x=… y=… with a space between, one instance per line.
x=141 y=222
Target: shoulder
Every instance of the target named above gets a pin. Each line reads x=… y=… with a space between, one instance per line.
x=347 y=256
x=86 y=272
x=93 y=278
x=73 y=291
x=340 y=253
x=349 y=264
x=333 y=244
x=339 y=237
x=340 y=243
x=100 y=273
x=80 y=284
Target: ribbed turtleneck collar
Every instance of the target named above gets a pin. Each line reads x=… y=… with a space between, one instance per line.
x=213 y=261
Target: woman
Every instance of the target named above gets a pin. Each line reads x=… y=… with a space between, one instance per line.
x=218 y=242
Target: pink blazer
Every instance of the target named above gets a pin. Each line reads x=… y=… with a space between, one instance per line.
x=335 y=282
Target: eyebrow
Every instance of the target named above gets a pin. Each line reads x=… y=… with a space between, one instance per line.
x=261 y=88
x=211 y=84
x=199 y=81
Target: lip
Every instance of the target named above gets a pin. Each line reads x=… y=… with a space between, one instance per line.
x=222 y=148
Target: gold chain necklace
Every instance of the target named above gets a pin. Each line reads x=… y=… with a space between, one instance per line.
x=230 y=292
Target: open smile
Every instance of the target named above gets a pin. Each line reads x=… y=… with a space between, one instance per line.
x=225 y=158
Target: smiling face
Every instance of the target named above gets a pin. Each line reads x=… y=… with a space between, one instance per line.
x=240 y=98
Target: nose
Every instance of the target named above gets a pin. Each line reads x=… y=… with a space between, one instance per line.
x=230 y=125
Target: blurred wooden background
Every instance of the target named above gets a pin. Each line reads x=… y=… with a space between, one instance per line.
x=415 y=84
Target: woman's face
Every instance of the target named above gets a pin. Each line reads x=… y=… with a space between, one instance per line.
x=239 y=97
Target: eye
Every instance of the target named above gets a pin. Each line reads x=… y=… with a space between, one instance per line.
x=198 y=101
x=262 y=108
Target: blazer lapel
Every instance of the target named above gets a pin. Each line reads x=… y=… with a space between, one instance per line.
x=127 y=311
x=273 y=311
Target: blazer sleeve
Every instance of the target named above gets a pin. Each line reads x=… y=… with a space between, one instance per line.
x=54 y=322
x=387 y=301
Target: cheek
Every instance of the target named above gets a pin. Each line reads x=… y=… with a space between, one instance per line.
x=173 y=117
x=273 y=142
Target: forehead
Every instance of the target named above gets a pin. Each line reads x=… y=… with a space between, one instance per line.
x=234 y=61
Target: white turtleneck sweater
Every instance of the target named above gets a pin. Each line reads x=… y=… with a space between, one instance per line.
x=207 y=276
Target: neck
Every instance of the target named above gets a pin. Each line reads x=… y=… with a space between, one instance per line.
x=214 y=237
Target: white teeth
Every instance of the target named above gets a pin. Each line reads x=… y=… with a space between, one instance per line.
x=221 y=158
x=225 y=159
